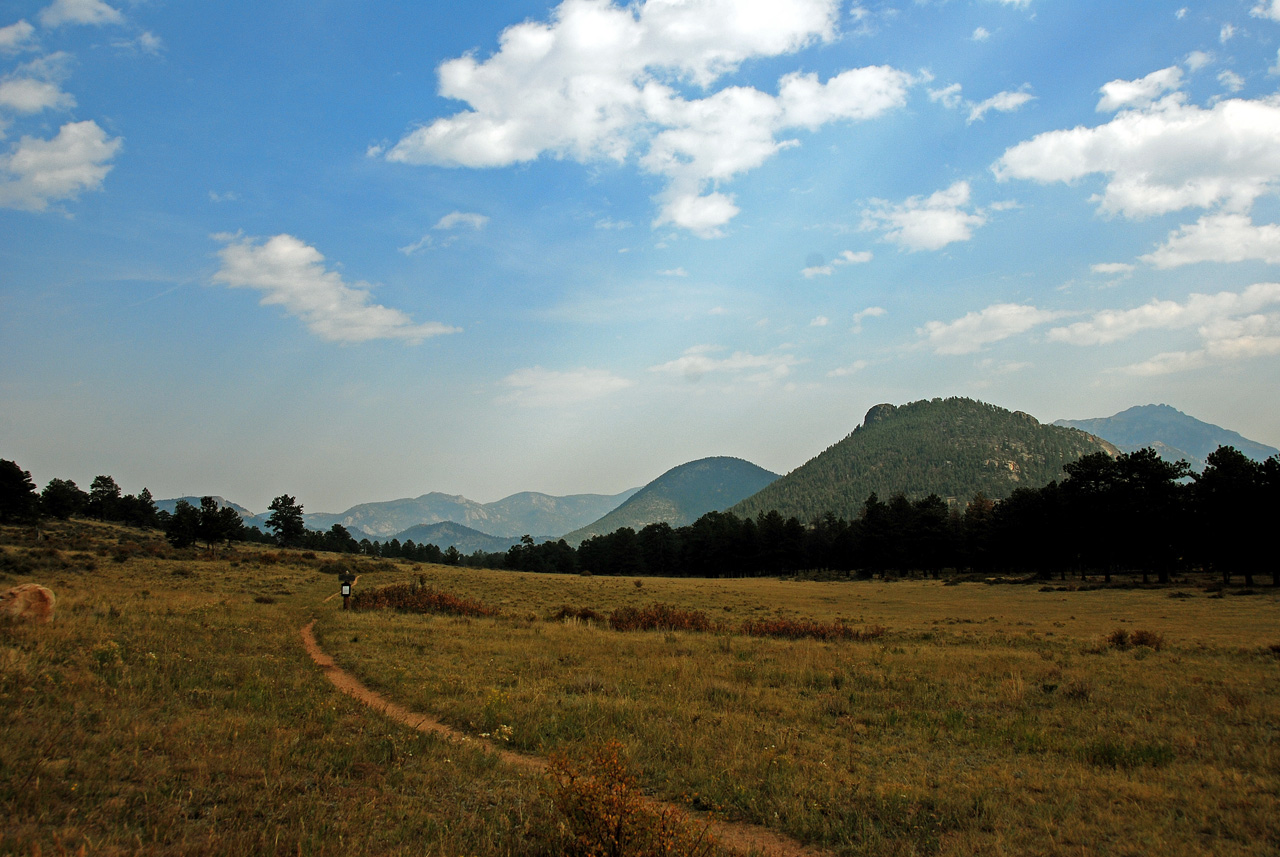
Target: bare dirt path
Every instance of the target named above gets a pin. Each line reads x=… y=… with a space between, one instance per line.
x=743 y=838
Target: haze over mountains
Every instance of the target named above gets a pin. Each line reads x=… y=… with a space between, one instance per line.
x=950 y=447
x=1171 y=433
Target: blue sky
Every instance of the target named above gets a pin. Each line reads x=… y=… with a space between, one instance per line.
x=352 y=252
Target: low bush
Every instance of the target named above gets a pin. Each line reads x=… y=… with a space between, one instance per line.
x=603 y=813
x=418 y=597
x=583 y=614
x=659 y=617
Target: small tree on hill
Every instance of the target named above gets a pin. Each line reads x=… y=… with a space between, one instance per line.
x=286 y=521
x=18 y=498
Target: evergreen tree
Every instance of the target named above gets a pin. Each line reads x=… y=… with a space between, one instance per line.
x=62 y=498
x=286 y=521
x=18 y=498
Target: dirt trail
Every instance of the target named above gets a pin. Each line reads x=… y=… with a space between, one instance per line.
x=743 y=838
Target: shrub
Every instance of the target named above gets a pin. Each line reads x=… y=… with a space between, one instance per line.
x=796 y=629
x=418 y=597
x=1150 y=639
x=658 y=617
x=584 y=614
x=1118 y=639
x=603 y=813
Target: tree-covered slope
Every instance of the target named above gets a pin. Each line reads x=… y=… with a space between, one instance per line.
x=1173 y=434
x=954 y=448
x=682 y=495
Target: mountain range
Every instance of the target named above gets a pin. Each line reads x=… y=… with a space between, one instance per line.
x=1171 y=433
x=951 y=447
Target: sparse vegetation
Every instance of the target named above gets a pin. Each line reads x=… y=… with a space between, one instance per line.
x=169 y=709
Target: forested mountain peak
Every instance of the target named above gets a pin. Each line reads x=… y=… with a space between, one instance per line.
x=682 y=495
x=954 y=447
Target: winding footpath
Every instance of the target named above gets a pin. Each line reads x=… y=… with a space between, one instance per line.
x=742 y=838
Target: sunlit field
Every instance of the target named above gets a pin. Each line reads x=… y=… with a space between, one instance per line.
x=170 y=708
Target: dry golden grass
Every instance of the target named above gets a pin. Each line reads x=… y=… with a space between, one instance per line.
x=170 y=708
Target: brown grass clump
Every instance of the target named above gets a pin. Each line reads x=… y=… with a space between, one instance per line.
x=582 y=614
x=1122 y=638
x=602 y=812
x=800 y=629
x=659 y=617
x=418 y=597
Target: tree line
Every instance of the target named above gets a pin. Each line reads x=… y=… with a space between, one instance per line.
x=1131 y=514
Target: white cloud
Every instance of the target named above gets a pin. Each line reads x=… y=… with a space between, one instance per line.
x=145 y=43
x=1119 y=94
x=27 y=95
x=981 y=34
x=1162 y=156
x=79 y=12
x=846 y=257
x=292 y=275
x=949 y=96
x=674 y=272
x=454 y=219
x=1197 y=60
x=592 y=84
x=1267 y=9
x=699 y=360
x=1223 y=341
x=544 y=388
x=845 y=371
x=1218 y=238
x=977 y=329
x=1231 y=81
x=16 y=37
x=37 y=172
x=820 y=321
x=869 y=312
x=1227 y=33
x=1001 y=102
x=1020 y=4
x=228 y=196
x=926 y=223
x=1206 y=311
x=609 y=223
x=1112 y=268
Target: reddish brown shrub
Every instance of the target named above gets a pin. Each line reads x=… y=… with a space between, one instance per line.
x=795 y=629
x=418 y=597
x=603 y=813
x=658 y=617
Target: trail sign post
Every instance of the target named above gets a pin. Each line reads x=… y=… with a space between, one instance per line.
x=347 y=579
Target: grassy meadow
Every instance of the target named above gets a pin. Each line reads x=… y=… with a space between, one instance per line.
x=170 y=708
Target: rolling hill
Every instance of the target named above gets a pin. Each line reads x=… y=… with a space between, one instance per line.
x=950 y=447
x=448 y=533
x=682 y=495
x=1173 y=434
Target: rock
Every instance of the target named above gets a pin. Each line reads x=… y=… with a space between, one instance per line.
x=28 y=601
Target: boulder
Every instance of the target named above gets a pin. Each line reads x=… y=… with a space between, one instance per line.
x=28 y=601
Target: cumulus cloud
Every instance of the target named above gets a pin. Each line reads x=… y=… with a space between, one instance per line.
x=1001 y=102
x=1231 y=81
x=1197 y=60
x=700 y=360
x=1224 y=341
x=545 y=388
x=1218 y=238
x=1163 y=155
x=820 y=321
x=975 y=330
x=292 y=275
x=79 y=12
x=35 y=86
x=594 y=83
x=1112 y=268
x=845 y=371
x=1209 y=312
x=16 y=37
x=37 y=172
x=1119 y=94
x=981 y=34
x=144 y=43
x=846 y=257
x=926 y=223
x=1266 y=9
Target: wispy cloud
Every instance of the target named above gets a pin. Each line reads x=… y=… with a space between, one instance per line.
x=862 y=315
x=976 y=330
x=700 y=360
x=292 y=275
x=93 y=12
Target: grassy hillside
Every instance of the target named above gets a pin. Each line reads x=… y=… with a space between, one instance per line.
x=950 y=447
x=169 y=708
x=682 y=495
